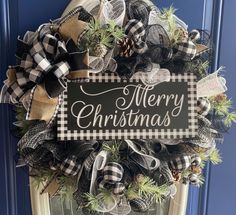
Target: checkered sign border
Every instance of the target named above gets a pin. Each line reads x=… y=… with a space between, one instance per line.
x=64 y=134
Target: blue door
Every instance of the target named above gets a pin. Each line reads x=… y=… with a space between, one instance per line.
x=16 y=17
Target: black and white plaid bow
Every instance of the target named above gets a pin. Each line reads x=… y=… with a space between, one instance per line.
x=113 y=172
x=181 y=163
x=206 y=134
x=140 y=10
x=70 y=166
x=45 y=54
x=185 y=51
x=41 y=56
x=112 y=176
x=195 y=160
x=135 y=30
x=203 y=106
x=140 y=205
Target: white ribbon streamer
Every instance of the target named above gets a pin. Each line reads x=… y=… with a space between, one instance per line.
x=112 y=10
x=99 y=164
x=156 y=76
x=96 y=64
x=211 y=85
x=148 y=158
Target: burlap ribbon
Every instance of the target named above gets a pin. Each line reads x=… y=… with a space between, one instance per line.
x=44 y=61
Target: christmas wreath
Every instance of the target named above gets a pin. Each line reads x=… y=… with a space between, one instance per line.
x=126 y=38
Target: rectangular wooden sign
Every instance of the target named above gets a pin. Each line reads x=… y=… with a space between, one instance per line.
x=109 y=108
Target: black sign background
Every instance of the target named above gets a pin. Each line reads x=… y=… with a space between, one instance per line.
x=104 y=92
x=108 y=103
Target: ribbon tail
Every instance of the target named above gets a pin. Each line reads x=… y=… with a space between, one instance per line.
x=41 y=106
x=152 y=162
x=99 y=164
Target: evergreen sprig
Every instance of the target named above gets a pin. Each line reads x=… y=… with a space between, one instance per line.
x=147 y=188
x=41 y=176
x=214 y=157
x=201 y=180
x=22 y=124
x=173 y=32
x=222 y=106
x=230 y=119
x=97 y=34
x=68 y=188
x=113 y=148
x=92 y=201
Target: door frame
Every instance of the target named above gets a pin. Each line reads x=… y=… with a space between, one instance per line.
x=8 y=23
x=212 y=21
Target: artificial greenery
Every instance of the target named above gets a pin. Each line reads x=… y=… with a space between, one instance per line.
x=230 y=119
x=221 y=104
x=68 y=188
x=104 y=35
x=147 y=188
x=41 y=176
x=22 y=124
x=174 y=32
x=92 y=201
x=113 y=148
x=214 y=157
x=201 y=180
x=222 y=107
x=199 y=67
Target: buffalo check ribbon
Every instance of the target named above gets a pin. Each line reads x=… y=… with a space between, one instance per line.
x=182 y=163
x=185 y=50
x=44 y=62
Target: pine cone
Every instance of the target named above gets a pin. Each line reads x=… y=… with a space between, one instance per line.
x=100 y=50
x=126 y=47
x=176 y=175
x=183 y=34
x=220 y=98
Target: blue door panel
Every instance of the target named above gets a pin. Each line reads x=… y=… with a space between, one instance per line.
x=34 y=13
x=16 y=17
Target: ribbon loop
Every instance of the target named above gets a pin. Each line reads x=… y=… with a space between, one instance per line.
x=185 y=51
x=150 y=162
x=70 y=166
x=136 y=31
x=113 y=172
x=99 y=164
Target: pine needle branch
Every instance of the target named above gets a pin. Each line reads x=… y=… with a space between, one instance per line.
x=104 y=35
x=113 y=148
x=230 y=119
x=41 y=177
x=147 y=188
x=21 y=122
x=221 y=107
x=173 y=32
x=92 y=201
x=215 y=157
x=201 y=180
